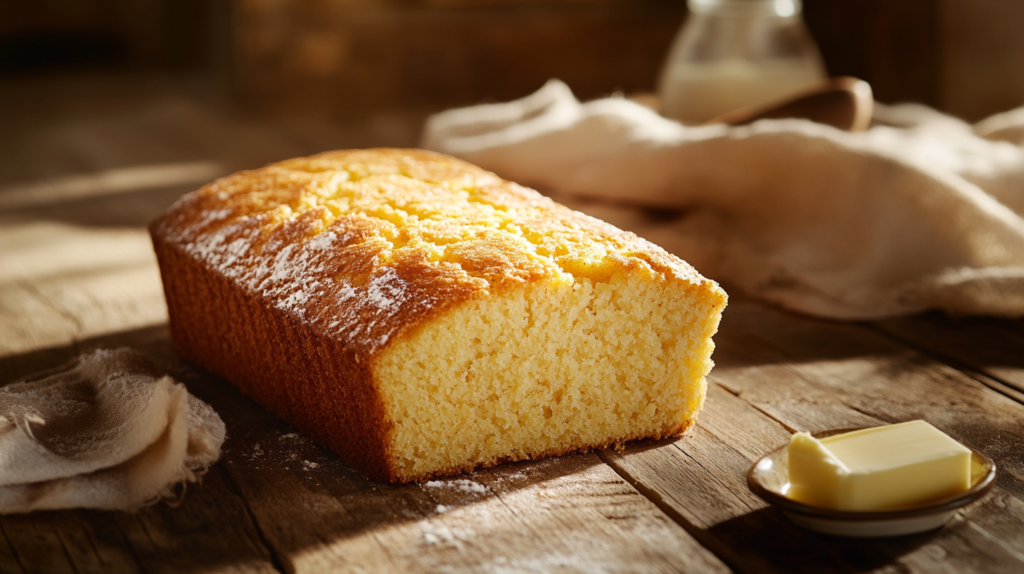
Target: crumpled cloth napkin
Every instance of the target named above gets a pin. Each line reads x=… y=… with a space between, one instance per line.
x=107 y=431
x=922 y=211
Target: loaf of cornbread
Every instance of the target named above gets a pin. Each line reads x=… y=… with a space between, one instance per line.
x=422 y=317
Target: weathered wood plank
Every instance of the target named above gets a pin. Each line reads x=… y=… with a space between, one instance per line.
x=61 y=283
x=797 y=404
x=93 y=543
x=9 y=562
x=28 y=322
x=991 y=347
x=63 y=542
x=211 y=527
x=107 y=301
x=36 y=544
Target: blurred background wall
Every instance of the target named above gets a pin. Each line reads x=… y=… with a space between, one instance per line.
x=342 y=58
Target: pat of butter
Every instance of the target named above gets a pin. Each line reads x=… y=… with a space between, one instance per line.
x=877 y=468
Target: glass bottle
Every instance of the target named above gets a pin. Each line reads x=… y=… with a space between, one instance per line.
x=737 y=53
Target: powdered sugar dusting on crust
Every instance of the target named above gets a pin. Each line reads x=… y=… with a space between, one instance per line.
x=221 y=248
x=299 y=278
x=387 y=291
x=376 y=305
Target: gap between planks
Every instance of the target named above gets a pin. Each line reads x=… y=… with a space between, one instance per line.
x=940 y=351
x=275 y=557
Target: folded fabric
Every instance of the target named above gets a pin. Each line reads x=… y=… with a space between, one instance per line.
x=922 y=211
x=108 y=431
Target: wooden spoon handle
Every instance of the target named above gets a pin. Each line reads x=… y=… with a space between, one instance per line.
x=842 y=102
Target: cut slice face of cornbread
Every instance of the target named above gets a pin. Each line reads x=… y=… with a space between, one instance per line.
x=421 y=316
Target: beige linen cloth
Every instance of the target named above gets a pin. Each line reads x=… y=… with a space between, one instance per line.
x=108 y=431
x=922 y=211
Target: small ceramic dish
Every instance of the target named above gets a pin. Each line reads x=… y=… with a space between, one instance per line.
x=769 y=479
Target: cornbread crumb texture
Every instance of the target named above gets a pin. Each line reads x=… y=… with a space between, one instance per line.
x=361 y=244
x=545 y=371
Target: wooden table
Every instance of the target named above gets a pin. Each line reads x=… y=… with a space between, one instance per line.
x=77 y=272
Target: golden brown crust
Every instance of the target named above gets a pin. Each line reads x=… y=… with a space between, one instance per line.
x=341 y=264
x=275 y=359
x=289 y=280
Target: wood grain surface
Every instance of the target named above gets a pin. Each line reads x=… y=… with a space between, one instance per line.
x=77 y=272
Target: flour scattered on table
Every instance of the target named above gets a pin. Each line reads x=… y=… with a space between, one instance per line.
x=460 y=485
x=306 y=465
x=441 y=536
